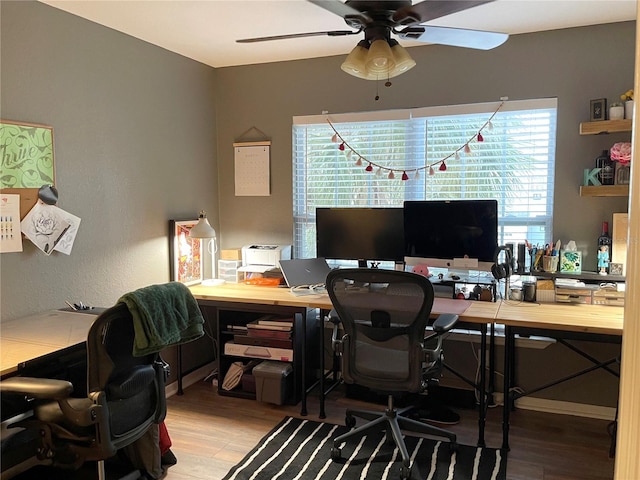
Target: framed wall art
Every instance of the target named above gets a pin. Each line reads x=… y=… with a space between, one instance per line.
x=598 y=109
x=26 y=150
x=185 y=253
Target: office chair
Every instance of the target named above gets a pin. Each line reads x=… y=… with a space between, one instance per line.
x=125 y=397
x=384 y=314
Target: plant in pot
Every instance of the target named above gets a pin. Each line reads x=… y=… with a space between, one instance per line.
x=616 y=111
x=627 y=98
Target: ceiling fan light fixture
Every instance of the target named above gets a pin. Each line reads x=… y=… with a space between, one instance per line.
x=380 y=61
x=403 y=60
x=356 y=62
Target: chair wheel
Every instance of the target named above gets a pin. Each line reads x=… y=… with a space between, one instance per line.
x=336 y=453
x=405 y=472
x=350 y=421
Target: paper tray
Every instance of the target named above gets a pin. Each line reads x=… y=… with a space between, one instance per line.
x=255 y=351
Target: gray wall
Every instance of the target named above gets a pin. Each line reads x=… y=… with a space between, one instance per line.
x=135 y=145
x=575 y=65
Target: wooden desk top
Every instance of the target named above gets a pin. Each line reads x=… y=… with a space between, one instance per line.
x=469 y=311
x=597 y=319
x=31 y=337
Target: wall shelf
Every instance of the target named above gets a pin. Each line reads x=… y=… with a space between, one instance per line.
x=604 y=190
x=605 y=126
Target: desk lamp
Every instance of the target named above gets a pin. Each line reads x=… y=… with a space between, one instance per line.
x=203 y=229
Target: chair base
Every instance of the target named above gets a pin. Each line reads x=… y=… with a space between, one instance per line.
x=393 y=421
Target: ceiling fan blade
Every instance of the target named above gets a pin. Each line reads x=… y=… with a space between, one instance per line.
x=333 y=33
x=350 y=14
x=431 y=9
x=455 y=37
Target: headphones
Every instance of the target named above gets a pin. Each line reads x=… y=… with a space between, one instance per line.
x=502 y=270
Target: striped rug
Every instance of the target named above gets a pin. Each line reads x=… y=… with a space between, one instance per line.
x=301 y=449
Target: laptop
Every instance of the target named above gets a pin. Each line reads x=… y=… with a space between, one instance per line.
x=305 y=272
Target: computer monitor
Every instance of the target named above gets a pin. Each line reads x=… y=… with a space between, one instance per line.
x=363 y=234
x=456 y=234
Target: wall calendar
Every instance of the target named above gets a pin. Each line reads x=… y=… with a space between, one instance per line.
x=252 y=168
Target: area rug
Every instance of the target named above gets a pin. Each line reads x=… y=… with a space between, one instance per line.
x=301 y=449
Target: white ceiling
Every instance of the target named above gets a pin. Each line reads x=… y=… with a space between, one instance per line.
x=206 y=30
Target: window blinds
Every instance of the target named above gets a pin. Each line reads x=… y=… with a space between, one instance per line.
x=513 y=164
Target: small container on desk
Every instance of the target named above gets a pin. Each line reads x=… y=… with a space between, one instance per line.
x=228 y=271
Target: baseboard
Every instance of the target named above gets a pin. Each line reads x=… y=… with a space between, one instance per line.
x=560 y=407
x=190 y=379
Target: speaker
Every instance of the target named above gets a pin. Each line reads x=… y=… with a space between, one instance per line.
x=502 y=270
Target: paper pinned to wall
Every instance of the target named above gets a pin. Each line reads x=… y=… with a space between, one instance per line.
x=47 y=226
x=10 y=233
x=252 y=169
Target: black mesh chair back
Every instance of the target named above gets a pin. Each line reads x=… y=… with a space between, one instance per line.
x=384 y=314
x=133 y=387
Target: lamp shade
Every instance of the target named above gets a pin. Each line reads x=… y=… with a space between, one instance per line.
x=403 y=60
x=356 y=62
x=203 y=228
x=380 y=61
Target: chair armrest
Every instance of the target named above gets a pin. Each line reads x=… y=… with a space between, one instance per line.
x=444 y=322
x=336 y=344
x=40 y=388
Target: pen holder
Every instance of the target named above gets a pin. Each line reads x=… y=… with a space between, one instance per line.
x=550 y=263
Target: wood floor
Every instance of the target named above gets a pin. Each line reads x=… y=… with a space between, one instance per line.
x=211 y=433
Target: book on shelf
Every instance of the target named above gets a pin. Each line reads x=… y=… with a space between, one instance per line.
x=277 y=326
x=277 y=323
x=237 y=328
x=275 y=320
x=257 y=332
x=263 y=341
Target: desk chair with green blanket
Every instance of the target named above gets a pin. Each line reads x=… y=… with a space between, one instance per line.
x=126 y=381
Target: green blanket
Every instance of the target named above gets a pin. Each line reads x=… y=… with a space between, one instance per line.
x=163 y=315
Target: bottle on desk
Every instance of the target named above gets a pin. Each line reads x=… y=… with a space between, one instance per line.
x=604 y=249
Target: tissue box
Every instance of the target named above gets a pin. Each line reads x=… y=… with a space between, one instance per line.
x=570 y=262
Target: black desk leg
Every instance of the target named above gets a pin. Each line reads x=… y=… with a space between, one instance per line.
x=303 y=365
x=483 y=385
x=179 y=362
x=322 y=394
x=509 y=342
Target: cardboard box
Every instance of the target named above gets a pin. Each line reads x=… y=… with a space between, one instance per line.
x=619 y=239
x=231 y=254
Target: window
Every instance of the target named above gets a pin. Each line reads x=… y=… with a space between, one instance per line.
x=514 y=163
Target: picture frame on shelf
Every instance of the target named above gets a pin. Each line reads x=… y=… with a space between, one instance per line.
x=616 y=268
x=598 y=110
x=185 y=253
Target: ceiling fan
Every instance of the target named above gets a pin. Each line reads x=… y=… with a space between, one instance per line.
x=378 y=55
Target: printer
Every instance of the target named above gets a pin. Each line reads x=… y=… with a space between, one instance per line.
x=260 y=258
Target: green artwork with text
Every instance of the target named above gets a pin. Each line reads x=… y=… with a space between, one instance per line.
x=26 y=153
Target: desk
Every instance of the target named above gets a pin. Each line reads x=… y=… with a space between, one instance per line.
x=561 y=321
x=30 y=338
x=480 y=313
